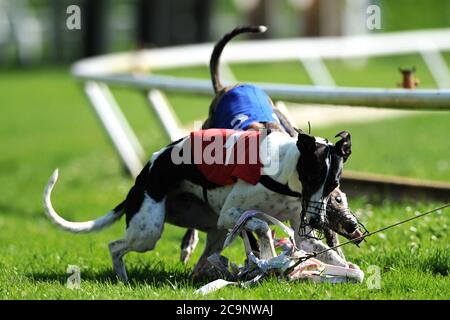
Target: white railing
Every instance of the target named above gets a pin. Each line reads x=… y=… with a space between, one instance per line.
x=133 y=70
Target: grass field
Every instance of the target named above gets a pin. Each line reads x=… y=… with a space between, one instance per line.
x=45 y=122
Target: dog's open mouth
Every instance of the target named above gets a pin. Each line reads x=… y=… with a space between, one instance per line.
x=345 y=223
x=357 y=234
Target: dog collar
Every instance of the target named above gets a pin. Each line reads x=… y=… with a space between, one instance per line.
x=278 y=187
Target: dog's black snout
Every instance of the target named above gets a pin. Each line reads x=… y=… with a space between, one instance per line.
x=351 y=226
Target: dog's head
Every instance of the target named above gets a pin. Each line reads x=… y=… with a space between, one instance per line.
x=339 y=217
x=319 y=168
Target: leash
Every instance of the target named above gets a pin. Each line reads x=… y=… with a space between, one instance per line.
x=315 y=254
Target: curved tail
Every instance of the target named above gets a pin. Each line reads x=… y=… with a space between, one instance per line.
x=77 y=227
x=218 y=48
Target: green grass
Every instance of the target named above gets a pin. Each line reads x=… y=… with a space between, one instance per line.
x=34 y=262
x=397 y=15
x=45 y=122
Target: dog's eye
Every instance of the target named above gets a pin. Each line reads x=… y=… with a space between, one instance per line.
x=338 y=199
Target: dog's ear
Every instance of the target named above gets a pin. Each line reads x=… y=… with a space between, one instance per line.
x=305 y=142
x=344 y=146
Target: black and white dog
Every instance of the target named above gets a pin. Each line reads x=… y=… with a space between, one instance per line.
x=309 y=170
x=246 y=107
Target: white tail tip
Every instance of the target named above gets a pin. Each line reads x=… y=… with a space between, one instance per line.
x=54 y=176
x=262 y=29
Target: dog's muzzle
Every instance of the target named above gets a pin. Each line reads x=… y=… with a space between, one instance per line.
x=315 y=211
x=316 y=223
x=345 y=223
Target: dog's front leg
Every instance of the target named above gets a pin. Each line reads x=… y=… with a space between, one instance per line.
x=333 y=240
x=239 y=200
x=329 y=257
x=214 y=244
x=265 y=239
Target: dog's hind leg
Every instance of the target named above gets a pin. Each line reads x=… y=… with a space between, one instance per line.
x=146 y=226
x=188 y=244
x=143 y=232
x=117 y=250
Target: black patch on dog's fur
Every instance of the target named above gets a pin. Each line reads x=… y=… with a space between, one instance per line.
x=340 y=152
x=314 y=172
x=334 y=176
x=311 y=166
x=135 y=196
x=162 y=177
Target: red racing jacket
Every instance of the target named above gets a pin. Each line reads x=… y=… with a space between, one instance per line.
x=223 y=155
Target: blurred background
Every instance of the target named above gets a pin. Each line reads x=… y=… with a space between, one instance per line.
x=46 y=122
x=33 y=32
x=41 y=102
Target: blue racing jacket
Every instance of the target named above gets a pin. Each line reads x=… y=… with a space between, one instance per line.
x=241 y=106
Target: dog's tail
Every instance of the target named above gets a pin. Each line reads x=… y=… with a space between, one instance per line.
x=218 y=48
x=78 y=227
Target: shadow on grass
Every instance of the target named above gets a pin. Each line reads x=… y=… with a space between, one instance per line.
x=6 y=209
x=156 y=275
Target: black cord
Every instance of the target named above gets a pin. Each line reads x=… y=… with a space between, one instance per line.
x=315 y=254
